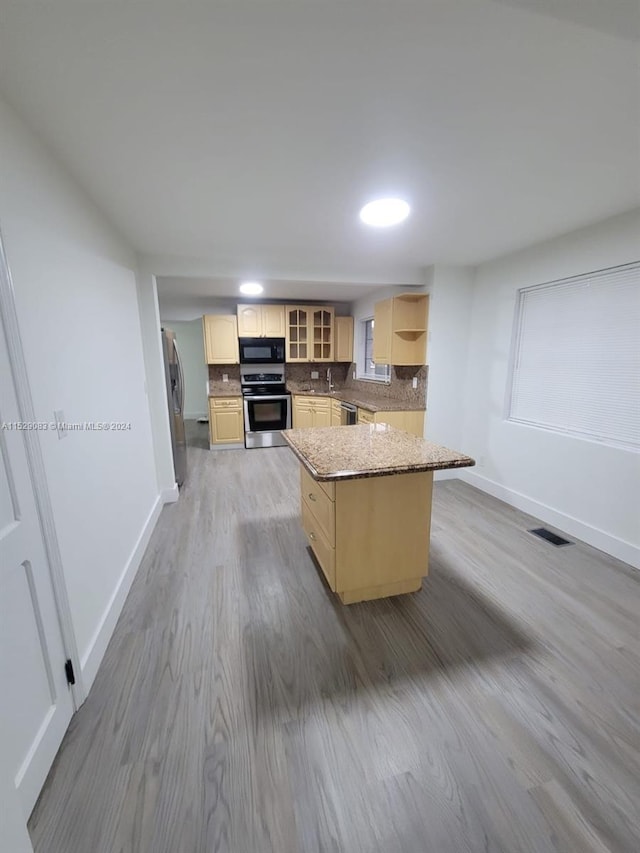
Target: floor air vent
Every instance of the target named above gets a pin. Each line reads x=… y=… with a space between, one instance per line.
x=543 y=533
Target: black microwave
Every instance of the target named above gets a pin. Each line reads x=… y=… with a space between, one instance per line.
x=261 y=350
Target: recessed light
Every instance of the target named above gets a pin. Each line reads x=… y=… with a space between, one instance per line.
x=384 y=212
x=251 y=288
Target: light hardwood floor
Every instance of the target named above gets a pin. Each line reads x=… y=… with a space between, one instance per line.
x=241 y=708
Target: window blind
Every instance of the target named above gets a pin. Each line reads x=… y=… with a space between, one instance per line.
x=576 y=358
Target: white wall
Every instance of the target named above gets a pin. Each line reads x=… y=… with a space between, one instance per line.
x=184 y=309
x=77 y=307
x=587 y=489
x=450 y=303
x=190 y=342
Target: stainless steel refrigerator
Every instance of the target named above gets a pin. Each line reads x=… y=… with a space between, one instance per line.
x=175 y=401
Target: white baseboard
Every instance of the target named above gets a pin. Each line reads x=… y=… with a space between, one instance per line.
x=170 y=495
x=616 y=547
x=92 y=658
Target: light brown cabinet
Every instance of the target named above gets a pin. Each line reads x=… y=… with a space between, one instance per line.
x=261 y=321
x=400 y=329
x=311 y=411
x=347 y=524
x=220 y=339
x=343 y=334
x=409 y=421
x=365 y=417
x=382 y=332
x=322 y=327
x=226 y=423
x=412 y=422
x=309 y=333
x=297 y=333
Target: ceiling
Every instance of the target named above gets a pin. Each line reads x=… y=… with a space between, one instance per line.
x=241 y=139
x=183 y=297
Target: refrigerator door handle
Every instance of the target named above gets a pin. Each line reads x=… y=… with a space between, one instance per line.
x=181 y=375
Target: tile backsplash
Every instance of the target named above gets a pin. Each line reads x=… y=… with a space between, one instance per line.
x=299 y=375
x=400 y=386
x=215 y=378
x=298 y=378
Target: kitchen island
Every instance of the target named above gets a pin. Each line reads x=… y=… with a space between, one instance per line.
x=366 y=505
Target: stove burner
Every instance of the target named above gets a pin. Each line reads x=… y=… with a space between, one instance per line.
x=261 y=390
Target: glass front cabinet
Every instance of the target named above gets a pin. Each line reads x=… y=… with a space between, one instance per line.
x=309 y=333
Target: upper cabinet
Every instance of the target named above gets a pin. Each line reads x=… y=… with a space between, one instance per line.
x=382 y=332
x=273 y=323
x=309 y=333
x=312 y=333
x=400 y=330
x=261 y=321
x=220 y=339
x=343 y=339
x=297 y=341
x=322 y=320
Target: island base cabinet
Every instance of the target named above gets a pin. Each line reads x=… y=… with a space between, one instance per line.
x=369 y=593
x=324 y=553
x=380 y=533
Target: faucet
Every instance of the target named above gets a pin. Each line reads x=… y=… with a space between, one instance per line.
x=329 y=380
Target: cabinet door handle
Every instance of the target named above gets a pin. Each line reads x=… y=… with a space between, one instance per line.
x=312 y=536
x=312 y=497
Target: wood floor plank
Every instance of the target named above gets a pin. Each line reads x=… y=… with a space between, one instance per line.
x=240 y=708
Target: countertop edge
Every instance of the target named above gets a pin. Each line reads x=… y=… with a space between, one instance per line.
x=336 y=476
x=378 y=406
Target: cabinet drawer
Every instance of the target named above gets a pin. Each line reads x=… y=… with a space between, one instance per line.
x=226 y=402
x=313 y=402
x=325 y=554
x=365 y=417
x=320 y=505
x=321 y=403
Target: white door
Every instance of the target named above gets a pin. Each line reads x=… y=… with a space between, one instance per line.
x=36 y=704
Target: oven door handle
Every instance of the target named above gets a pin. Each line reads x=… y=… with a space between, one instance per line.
x=266 y=397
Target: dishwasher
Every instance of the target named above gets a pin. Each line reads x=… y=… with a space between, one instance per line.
x=348 y=414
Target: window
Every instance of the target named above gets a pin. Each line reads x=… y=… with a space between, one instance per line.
x=576 y=357
x=379 y=372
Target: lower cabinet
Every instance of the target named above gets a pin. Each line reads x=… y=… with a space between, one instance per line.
x=226 y=423
x=347 y=525
x=311 y=411
x=412 y=422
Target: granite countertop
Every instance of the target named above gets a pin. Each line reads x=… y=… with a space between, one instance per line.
x=368 y=450
x=224 y=392
x=371 y=404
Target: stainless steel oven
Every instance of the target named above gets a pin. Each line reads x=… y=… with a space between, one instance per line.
x=267 y=404
x=264 y=416
x=262 y=351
